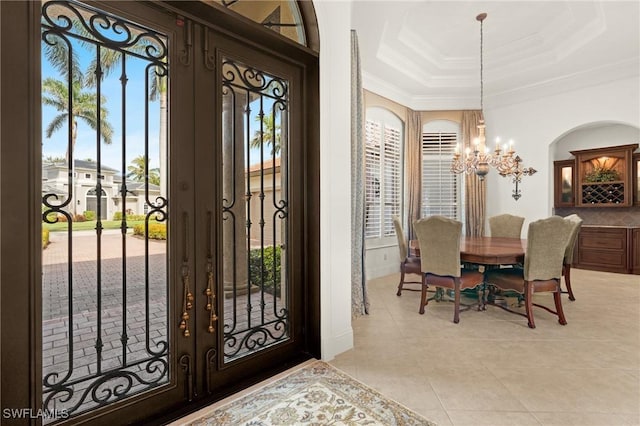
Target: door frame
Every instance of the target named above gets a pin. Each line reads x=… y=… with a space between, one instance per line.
x=20 y=181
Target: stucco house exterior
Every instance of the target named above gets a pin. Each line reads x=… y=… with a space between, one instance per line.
x=55 y=180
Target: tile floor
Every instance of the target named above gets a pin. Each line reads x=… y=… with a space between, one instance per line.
x=491 y=369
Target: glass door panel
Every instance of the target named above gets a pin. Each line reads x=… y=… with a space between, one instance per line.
x=255 y=108
x=104 y=208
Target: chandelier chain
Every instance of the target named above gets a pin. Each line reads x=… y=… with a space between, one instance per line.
x=481 y=66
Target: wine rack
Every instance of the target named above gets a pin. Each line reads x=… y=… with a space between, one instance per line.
x=603 y=193
x=604 y=176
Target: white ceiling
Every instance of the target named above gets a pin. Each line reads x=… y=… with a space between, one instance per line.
x=426 y=54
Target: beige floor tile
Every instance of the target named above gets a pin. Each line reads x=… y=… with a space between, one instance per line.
x=492 y=418
x=471 y=389
x=586 y=419
x=491 y=369
x=580 y=390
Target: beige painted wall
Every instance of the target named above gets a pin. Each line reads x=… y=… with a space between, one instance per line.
x=428 y=116
x=373 y=100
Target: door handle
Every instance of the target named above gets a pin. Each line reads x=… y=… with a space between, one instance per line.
x=210 y=291
x=187 y=296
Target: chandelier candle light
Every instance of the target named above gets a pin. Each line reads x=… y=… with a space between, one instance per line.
x=504 y=159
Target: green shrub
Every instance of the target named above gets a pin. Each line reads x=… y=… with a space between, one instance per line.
x=45 y=238
x=134 y=217
x=51 y=216
x=272 y=262
x=157 y=231
x=90 y=215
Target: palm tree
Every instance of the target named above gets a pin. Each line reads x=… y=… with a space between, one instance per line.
x=83 y=106
x=268 y=131
x=109 y=59
x=137 y=171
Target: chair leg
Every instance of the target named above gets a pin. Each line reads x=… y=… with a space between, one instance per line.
x=423 y=299
x=479 y=292
x=558 y=299
x=401 y=279
x=456 y=299
x=528 y=303
x=567 y=280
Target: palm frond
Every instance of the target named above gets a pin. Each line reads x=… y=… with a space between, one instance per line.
x=58 y=56
x=56 y=124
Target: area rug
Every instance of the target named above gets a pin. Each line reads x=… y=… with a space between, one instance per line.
x=317 y=394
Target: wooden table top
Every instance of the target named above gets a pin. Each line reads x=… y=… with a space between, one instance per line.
x=492 y=250
x=488 y=250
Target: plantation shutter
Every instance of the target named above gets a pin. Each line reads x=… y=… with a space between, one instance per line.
x=373 y=217
x=391 y=179
x=440 y=187
x=383 y=181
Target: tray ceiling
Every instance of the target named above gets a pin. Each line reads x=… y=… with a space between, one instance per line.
x=426 y=55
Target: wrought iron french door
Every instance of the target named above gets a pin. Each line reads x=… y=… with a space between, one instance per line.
x=248 y=150
x=175 y=209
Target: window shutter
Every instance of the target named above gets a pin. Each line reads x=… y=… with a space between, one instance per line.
x=383 y=181
x=372 y=180
x=392 y=158
x=440 y=187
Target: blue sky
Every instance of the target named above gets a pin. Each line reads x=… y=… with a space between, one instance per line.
x=111 y=88
x=56 y=146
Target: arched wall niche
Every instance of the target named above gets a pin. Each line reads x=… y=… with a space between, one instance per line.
x=597 y=134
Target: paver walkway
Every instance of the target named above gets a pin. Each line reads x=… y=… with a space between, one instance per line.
x=118 y=318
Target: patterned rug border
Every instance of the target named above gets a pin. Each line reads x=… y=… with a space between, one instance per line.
x=253 y=407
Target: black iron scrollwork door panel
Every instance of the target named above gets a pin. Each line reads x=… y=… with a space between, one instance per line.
x=253 y=103
x=173 y=198
x=109 y=336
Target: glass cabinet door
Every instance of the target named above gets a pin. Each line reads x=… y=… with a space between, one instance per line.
x=564 y=183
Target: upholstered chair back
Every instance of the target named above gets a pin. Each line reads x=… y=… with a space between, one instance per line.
x=506 y=225
x=402 y=241
x=547 y=241
x=576 y=221
x=439 y=239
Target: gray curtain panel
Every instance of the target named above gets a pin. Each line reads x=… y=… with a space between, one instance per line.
x=359 y=298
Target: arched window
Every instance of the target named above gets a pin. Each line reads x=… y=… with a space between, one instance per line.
x=285 y=17
x=384 y=136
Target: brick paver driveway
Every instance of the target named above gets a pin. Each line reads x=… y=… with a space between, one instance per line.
x=124 y=334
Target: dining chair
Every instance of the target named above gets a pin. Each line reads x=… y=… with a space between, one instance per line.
x=576 y=222
x=547 y=241
x=506 y=225
x=408 y=264
x=439 y=239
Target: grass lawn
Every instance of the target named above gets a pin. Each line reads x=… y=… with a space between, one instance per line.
x=90 y=225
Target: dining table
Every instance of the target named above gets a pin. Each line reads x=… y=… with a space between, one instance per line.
x=487 y=250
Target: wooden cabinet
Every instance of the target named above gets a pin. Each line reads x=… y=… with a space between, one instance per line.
x=608 y=248
x=564 y=180
x=635 y=251
x=604 y=176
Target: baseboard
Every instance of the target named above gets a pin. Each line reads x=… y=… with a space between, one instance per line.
x=336 y=345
